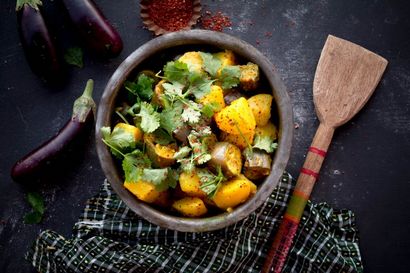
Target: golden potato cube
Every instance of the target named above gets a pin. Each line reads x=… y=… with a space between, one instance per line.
x=163 y=200
x=226 y=58
x=249 y=76
x=216 y=95
x=236 y=118
x=135 y=131
x=241 y=141
x=269 y=130
x=194 y=61
x=232 y=193
x=261 y=105
x=143 y=190
x=190 y=206
x=190 y=184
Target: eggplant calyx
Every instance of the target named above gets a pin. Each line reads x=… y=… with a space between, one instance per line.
x=32 y=3
x=84 y=104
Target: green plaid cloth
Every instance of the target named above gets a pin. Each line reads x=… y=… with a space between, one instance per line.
x=109 y=237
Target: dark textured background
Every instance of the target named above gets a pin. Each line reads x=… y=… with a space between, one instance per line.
x=368 y=167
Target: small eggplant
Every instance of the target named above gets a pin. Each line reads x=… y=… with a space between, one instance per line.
x=34 y=164
x=38 y=46
x=228 y=157
x=97 y=33
x=257 y=164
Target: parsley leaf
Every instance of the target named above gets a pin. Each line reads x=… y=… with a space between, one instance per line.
x=74 y=56
x=143 y=88
x=210 y=63
x=37 y=203
x=265 y=143
x=176 y=71
x=230 y=76
x=119 y=140
x=149 y=118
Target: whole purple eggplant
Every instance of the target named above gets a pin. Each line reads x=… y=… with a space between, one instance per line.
x=95 y=30
x=38 y=161
x=37 y=43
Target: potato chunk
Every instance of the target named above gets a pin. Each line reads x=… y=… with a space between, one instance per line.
x=216 y=95
x=261 y=108
x=269 y=130
x=194 y=61
x=190 y=184
x=232 y=193
x=241 y=141
x=143 y=190
x=249 y=76
x=190 y=206
x=236 y=118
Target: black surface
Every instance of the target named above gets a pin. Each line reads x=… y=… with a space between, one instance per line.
x=367 y=169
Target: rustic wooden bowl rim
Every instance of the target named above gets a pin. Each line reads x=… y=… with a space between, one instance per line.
x=196 y=37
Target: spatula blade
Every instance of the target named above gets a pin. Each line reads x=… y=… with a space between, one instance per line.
x=346 y=76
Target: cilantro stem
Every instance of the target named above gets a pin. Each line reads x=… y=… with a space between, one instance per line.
x=122 y=117
x=112 y=147
x=243 y=136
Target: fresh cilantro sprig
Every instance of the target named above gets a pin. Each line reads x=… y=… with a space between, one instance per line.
x=141 y=89
x=210 y=63
x=230 y=76
x=150 y=119
x=119 y=140
x=210 y=182
x=74 y=56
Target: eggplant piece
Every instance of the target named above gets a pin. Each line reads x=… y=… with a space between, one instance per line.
x=162 y=156
x=97 y=33
x=38 y=45
x=231 y=95
x=257 y=164
x=228 y=157
x=182 y=133
x=35 y=163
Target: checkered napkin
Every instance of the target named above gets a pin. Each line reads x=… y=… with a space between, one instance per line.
x=109 y=237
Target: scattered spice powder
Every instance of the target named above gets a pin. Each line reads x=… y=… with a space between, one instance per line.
x=216 y=22
x=171 y=15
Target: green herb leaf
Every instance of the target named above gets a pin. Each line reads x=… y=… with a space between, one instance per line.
x=210 y=183
x=33 y=217
x=230 y=76
x=190 y=115
x=162 y=137
x=150 y=119
x=170 y=118
x=133 y=165
x=210 y=109
x=36 y=201
x=173 y=177
x=158 y=177
x=182 y=152
x=143 y=87
x=200 y=85
x=119 y=140
x=210 y=63
x=265 y=143
x=176 y=71
x=74 y=56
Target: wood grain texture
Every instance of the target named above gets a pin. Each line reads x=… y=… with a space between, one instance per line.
x=346 y=76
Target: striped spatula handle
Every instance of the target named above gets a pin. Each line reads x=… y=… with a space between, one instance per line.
x=308 y=175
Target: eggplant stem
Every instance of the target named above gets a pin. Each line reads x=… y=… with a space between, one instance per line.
x=32 y=3
x=85 y=103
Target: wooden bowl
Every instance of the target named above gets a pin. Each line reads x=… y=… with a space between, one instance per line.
x=157 y=47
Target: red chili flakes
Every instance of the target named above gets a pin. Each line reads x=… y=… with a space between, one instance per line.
x=171 y=15
x=216 y=22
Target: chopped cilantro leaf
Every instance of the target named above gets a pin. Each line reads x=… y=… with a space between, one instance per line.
x=162 y=137
x=150 y=119
x=210 y=183
x=230 y=76
x=119 y=140
x=170 y=118
x=200 y=86
x=265 y=143
x=142 y=88
x=176 y=71
x=182 y=152
x=210 y=109
x=158 y=177
x=210 y=63
x=190 y=115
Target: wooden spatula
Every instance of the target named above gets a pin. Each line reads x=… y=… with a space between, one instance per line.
x=345 y=78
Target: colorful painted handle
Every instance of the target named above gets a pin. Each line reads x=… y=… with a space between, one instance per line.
x=282 y=242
